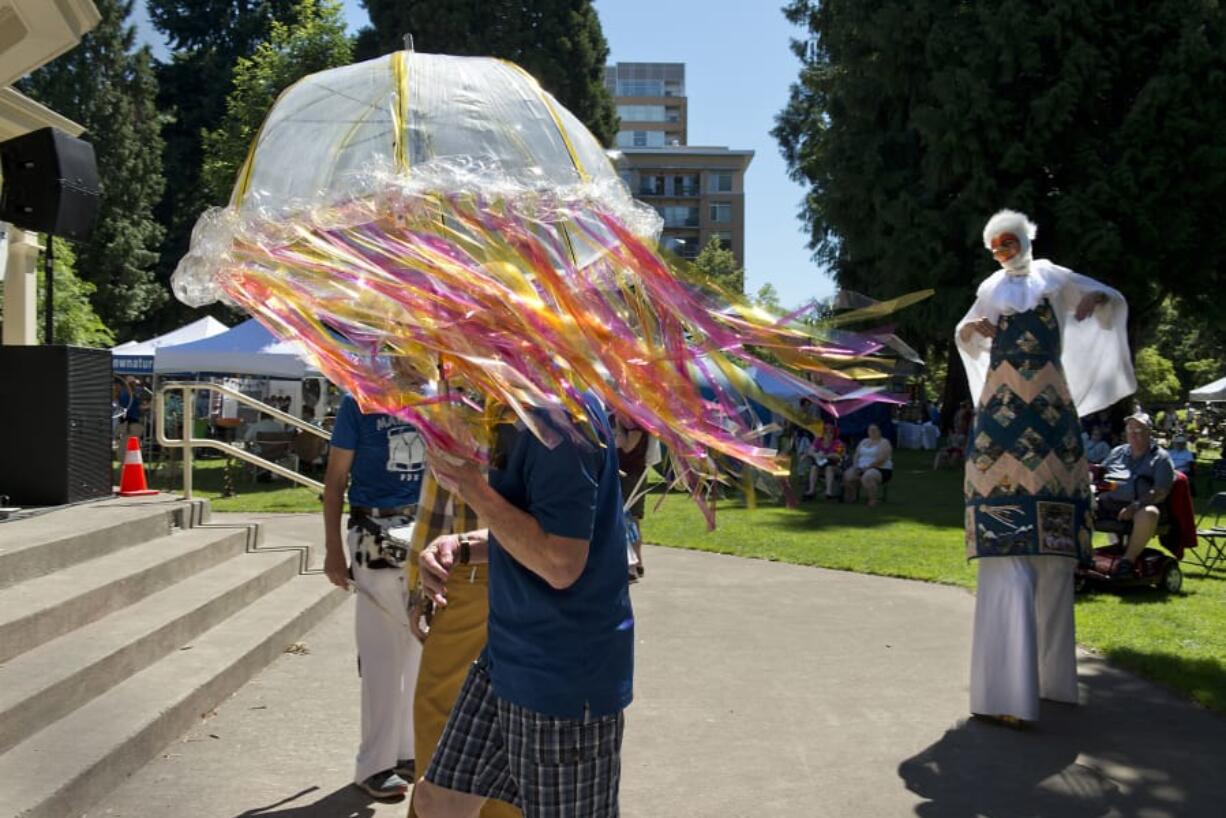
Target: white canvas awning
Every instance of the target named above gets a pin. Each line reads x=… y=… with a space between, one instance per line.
x=247 y=349
x=1212 y=391
x=136 y=357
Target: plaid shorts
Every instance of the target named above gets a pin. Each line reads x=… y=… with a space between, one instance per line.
x=549 y=767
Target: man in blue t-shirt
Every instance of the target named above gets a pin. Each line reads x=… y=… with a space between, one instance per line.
x=539 y=721
x=382 y=459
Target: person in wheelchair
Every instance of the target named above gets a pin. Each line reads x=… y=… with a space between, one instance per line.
x=1140 y=474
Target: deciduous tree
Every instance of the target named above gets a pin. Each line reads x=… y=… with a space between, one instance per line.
x=719 y=266
x=314 y=40
x=76 y=322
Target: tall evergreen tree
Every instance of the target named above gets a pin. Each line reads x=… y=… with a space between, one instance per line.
x=560 y=42
x=314 y=41
x=206 y=38
x=913 y=121
x=107 y=86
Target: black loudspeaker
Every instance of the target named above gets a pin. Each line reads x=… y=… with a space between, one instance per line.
x=50 y=184
x=55 y=424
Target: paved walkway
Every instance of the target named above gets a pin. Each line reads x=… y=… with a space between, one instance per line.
x=762 y=689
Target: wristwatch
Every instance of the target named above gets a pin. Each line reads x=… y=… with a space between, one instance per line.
x=466 y=552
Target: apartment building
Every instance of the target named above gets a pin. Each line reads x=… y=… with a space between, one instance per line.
x=698 y=190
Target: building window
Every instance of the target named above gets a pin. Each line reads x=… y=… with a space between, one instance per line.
x=684 y=246
x=721 y=183
x=640 y=139
x=679 y=216
x=721 y=212
x=640 y=88
x=651 y=185
x=724 y=238
x=641 y=113
x=685 y=184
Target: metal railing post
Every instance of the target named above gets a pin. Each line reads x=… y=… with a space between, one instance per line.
x=188 y=436
x=188 y=441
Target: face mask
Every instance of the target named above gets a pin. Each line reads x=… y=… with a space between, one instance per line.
x=1019 y=265
x=1019 y=262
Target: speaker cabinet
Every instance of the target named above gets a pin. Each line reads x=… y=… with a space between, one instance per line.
x=55 y=424
x=50 y=184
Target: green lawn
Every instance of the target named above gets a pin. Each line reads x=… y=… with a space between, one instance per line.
x=208 y=481
x=1179 y=641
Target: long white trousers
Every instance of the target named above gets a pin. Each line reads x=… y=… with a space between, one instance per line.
x=1024 y=646
x=388 y=658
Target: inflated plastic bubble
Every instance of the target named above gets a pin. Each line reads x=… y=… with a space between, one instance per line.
x=417 y=214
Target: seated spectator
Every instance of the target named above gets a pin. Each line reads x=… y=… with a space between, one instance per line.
x=1181 y=458
x=824 y=458
x=963 y=418
x=872 y=466
x=1097 y=449
x=1142 y=474
x=262 y=426
x=954 y=453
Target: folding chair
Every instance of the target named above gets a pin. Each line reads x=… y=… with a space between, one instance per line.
x=274 y=446
x=1214 y=536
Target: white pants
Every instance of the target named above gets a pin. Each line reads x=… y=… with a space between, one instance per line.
x=1024 y=647
x=388 y=658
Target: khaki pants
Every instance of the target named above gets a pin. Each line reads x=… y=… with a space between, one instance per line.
x=457 y=635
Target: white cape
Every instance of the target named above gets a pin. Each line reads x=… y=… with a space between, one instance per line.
x=1096 y=360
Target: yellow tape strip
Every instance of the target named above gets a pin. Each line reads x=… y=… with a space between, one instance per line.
x=243 y=184
x=557 y=122
x=400 y=113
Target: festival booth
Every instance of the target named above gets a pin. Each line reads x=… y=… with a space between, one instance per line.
x=250 y=357
x=136 y=357
x=1208 y=393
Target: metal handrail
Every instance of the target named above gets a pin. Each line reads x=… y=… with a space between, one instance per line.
x=190 y=441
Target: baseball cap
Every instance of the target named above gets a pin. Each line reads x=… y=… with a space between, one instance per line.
x=1141 y=418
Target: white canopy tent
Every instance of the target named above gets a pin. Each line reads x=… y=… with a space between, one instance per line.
x=1210 y=392
x=136 y=357
x=247 y=349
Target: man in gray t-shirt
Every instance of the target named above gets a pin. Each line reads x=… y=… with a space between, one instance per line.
x=1143 y=474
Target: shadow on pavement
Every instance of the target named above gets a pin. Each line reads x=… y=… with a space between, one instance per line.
x=347 y=802
x=1131 y=750
x=981 y=769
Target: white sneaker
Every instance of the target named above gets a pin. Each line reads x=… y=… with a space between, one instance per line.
x=384 y=785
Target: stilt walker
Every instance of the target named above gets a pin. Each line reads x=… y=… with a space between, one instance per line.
x=1042 y=346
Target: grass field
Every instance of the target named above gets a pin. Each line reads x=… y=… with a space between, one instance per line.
x=1178 y=641
x=208 y=481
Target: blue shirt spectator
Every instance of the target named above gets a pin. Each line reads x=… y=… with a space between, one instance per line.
x=570 y=651
x=389 y=457
x=129 y=401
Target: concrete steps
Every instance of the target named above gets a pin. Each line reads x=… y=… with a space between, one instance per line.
x=41 y=609
x=108 y=657
x=33 y=547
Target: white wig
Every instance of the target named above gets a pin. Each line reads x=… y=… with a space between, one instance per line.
x=1010 y=221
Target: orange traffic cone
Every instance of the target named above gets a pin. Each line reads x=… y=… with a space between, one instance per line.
x=132 y=478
